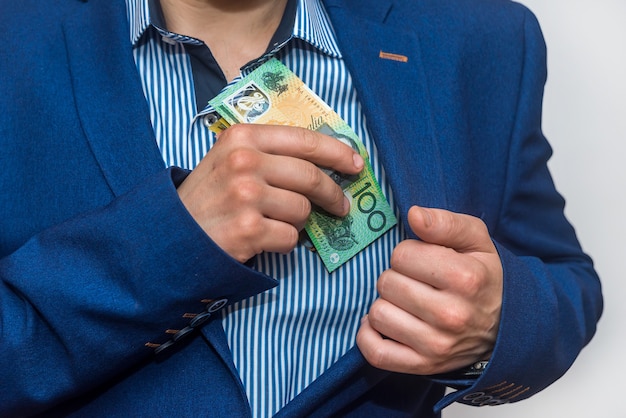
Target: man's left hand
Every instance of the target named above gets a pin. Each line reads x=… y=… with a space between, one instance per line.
x=440 y=302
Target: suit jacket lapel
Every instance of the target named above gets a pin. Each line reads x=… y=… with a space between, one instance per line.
x=386 y=66
x=113 y=109
x=108 y=92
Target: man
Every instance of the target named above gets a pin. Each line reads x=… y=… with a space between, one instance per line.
x=150 y=268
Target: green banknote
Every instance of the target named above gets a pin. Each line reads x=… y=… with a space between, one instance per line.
x=273 y=95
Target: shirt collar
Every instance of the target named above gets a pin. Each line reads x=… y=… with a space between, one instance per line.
x=138 y=13
x=311 y=24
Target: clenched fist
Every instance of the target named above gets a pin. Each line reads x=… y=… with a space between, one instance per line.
x=440 y=302
x=253 y=190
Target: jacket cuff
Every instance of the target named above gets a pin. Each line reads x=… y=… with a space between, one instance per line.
x=506 y=378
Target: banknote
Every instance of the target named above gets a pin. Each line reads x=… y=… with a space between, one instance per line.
x=274 y=95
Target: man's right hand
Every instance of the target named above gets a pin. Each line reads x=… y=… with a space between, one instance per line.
x=253 y=190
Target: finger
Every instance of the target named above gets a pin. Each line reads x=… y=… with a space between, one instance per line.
x=322 y=150
x=307 y=179
x=430 y=356
x=258 y=235
x=279 y=237
x=440 y=267
x=418 y=298
x=462 y=232
x=286 y=206
x=399 y=325
x=388 y=354
x=445 y=311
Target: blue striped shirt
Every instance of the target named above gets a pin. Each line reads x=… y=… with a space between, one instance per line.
x=285 y=338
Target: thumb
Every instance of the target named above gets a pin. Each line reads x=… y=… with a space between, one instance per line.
x=463 y=233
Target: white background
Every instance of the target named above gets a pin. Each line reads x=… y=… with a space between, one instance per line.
x=585 y=121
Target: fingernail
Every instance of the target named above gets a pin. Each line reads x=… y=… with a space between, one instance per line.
x=346 y=205
x=358 y=161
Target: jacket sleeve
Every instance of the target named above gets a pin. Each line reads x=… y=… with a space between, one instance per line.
x=90 y=297
x=552 y=296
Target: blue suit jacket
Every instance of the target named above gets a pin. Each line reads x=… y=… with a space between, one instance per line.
x=98 y=256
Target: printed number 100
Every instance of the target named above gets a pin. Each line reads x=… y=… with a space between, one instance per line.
x=366 y=204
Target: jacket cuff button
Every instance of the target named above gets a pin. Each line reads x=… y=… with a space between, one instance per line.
x=216 y=305
x=200 y=319
x=164 y=346
x=182 y=333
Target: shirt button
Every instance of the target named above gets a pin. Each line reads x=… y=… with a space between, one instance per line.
x=209 y=120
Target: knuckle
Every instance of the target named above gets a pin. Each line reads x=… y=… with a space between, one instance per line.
x=470 y=279
x=291 y=239
x=309 y=142
x=389 y=285
x=247 y=192
x=242 y=160
x=383 y=283
x=338 y=195
x=479 y=225
x=377 y=314
x=304 y=208
x=361 y=341
x=313 y=176
x=448 y=224
x=250 y=226
x=378 y=357
x=476 y=227
x=375 y=354
x=236 y=133
x=287 y=240
x=442 y=349
x=456 y=320
x=401 y=254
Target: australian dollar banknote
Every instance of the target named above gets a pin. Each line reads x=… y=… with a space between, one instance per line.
x=274 y=95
